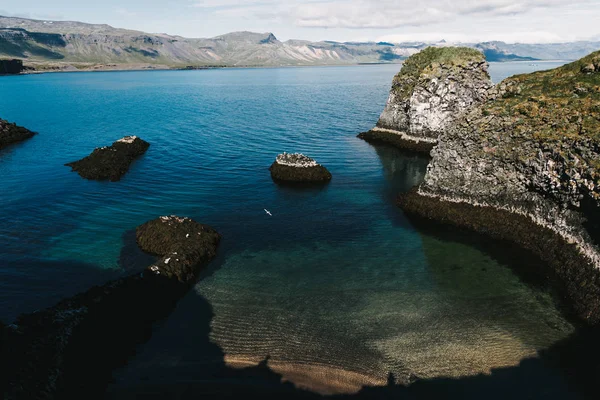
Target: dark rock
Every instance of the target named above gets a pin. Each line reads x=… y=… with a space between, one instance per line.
x=11 y=67
x=397 y=140
x=110 y=162
x=298 y=168
x=11 y=133
x=182 y=242
x=579 y=279
x=69 y=350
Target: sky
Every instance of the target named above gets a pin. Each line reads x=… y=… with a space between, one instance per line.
x=524 y=21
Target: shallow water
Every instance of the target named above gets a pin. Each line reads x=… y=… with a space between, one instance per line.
x=337 y=286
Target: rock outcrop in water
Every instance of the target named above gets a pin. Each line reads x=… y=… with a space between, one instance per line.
x=525 y=166
x=11 y=67
x=432 y=89
x=69 y=350
x=11 y=133
x=298 y=168
x=110 y=162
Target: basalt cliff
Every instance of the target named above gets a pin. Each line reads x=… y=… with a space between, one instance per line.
x=525 y=166
x=431 y=90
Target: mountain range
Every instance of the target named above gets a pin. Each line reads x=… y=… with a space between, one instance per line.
x=67 y=42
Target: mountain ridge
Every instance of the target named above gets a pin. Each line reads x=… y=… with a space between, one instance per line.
x=72 y=42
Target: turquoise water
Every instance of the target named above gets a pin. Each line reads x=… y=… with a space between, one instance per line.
x=337 y=283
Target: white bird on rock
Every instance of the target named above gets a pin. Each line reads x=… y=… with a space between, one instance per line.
x=268 y=212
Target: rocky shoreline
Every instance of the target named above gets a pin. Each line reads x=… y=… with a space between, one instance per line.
x=110 y=162
x=398 y=139
x=11 y=133
x=522 y=166
x=579 y=279
x=69 y=350
x=298 y=168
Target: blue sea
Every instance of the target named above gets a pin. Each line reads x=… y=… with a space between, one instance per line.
x=338 y=287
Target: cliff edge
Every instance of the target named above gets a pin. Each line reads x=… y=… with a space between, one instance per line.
x=431 y=90
x=525 y=166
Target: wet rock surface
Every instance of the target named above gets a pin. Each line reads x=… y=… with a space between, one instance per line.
x=579 y=280
x=70 y=349
x=110 y=162
x=397 y=139
x=433 y=88
x=11 y=133
x=298 y=168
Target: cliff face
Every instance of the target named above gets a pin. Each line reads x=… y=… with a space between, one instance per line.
x=531 y=152
x=432 y=89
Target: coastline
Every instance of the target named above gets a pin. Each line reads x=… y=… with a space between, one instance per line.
x=579 y=279
x=160 y=67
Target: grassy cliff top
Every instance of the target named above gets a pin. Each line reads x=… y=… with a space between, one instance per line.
x=429 y=61
x=558 y=105
x=450 y=56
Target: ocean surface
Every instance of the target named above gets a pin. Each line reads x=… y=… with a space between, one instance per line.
x=338 y=288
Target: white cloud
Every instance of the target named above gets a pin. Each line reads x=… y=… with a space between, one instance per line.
x=381 y=14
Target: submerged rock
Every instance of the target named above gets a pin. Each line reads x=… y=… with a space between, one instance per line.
x=110 y=162
x=69 y=350
x=525 y=166
x=11 y=133
x=432 y=89
x=298 y=168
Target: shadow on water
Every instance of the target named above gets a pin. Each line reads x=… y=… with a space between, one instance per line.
x=194 y=366
x=204 y=374
x=68 y=278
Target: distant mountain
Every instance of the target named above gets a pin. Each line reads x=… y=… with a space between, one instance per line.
x=66 y=42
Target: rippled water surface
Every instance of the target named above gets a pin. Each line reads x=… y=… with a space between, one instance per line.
x=338 y=287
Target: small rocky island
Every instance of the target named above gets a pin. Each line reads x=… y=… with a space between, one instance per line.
x=298 y=168
x=433 y=87
x=11 y=133
x=69 y=350
x=110 y=162
x=525 y=166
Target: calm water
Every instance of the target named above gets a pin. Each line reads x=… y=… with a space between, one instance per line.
x=337 y=286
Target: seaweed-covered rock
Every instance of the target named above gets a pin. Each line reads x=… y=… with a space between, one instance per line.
x=110 y=162
x=182 y=242
x=11 y=133
x=433 y=87
x=298 y=168
x=69 y=350
x=531 y=150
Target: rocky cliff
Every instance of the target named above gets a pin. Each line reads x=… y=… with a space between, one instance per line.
x=431 y=90
x=525 y=166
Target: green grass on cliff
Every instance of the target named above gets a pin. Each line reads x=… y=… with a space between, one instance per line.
x=428 y=60
x=553 y=106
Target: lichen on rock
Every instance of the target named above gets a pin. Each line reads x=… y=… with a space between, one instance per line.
x=110 y=162
x=432 y=89
x=298 y=168
x=11 y=133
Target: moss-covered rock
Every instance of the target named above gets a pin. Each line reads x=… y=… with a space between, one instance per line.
x=110 y=162
x=298 y=168
x=532 y=150
x=432 y=89
x=182 y=243
x=10 y=133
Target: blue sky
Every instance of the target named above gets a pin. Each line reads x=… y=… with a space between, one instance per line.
x=391 y=20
